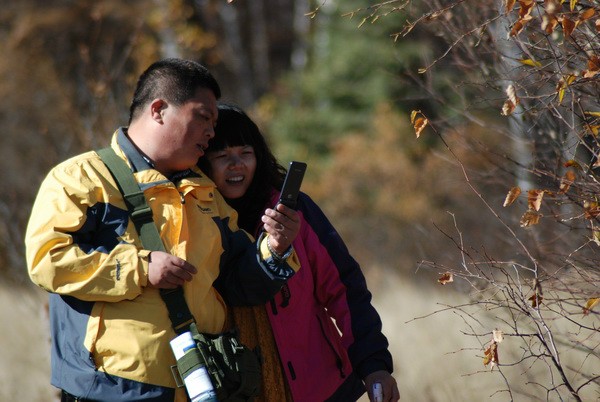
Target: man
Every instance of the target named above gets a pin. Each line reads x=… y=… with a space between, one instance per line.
x=110 y=328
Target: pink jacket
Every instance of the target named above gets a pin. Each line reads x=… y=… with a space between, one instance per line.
x=320 y=362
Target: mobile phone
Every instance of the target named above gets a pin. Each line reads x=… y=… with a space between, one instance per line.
x=291 y=184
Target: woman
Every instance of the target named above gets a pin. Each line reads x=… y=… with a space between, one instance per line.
x=320 y=361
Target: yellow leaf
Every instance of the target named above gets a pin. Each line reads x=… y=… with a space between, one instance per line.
x=422 y=70
x=563 y=84
x=590 y=305
x=561 y=94
x=596 y=236
x=529 y=62
x=446 y=278
x=512 y=195
x=573 y=4
x=595 y=114
x=413 y=115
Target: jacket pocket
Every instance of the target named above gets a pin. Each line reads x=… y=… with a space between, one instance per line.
x=329 y=338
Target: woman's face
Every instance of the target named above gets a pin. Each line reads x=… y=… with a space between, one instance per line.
x=232 y=169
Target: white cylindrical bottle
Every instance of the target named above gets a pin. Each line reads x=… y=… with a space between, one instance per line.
x=197 y=382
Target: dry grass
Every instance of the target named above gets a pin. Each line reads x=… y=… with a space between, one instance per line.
x=434 y=361
x=24 y=346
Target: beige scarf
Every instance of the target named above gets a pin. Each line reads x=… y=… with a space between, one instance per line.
x=255 y=331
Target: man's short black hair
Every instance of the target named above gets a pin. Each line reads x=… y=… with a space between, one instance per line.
x=175 y=80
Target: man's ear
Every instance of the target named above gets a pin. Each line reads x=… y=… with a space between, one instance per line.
x=157 y=110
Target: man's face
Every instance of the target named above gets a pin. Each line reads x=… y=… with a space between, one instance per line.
x=187 y=130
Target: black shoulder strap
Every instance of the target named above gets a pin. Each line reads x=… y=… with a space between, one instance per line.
x=141 y=215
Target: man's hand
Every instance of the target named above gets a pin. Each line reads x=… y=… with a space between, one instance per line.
x=282 y=224
x=389 y=387
x=165 y=271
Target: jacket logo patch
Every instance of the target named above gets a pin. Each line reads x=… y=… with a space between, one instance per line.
x=207 y=210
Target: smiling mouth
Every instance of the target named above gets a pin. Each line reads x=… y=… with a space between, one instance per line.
x=235 y=180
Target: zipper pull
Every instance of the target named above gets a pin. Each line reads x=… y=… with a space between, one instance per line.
x=182 y=199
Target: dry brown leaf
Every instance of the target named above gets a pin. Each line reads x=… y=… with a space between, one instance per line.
x=526 y=8
x=517 y=27
x=591 y=209
x=530 y=218
x=568 y=26
x=445 y=278
x=511 y=103
x=587 y=14
x=593 y=67
x=491 y=355
x=566 y=181
x=512 y=94
x=594 y=63
x=551 y=6
x=573 y=163
x=536 y=300
x=549 y=22
x=509 y=4
x=512 y=195
x=590 y=305
x=597 y=25
x=419 y=121
x=534 y=199
x=507 y=108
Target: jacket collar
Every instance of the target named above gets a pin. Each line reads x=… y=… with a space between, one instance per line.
x=140 y=162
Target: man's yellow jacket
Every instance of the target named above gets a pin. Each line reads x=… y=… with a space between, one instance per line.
x=110 y=330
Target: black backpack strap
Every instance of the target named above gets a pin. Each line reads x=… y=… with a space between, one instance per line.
x=141 y=215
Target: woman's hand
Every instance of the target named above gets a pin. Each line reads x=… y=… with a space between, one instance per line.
x=282 y=224
x=389 y=388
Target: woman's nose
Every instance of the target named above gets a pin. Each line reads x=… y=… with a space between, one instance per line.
x=235 y=161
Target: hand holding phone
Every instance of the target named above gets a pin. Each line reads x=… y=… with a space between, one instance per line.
x=291 y=184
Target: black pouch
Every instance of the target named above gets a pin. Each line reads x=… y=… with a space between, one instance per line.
x=235 y=370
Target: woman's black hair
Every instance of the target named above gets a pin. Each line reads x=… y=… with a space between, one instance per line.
x=235 y=128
